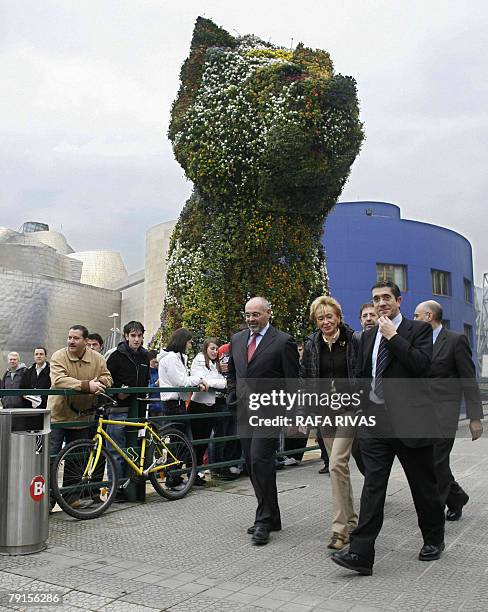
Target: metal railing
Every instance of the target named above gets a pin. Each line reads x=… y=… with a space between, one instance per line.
x=136 y=491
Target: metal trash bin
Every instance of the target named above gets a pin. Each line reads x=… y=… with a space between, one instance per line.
x=24 y=480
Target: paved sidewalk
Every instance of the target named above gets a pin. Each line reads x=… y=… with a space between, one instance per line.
x=194 y=554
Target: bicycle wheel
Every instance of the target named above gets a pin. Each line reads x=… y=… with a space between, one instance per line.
x=77 y=485
x=177 y=453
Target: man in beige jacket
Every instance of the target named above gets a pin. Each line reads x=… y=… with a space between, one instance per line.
x=82 y=369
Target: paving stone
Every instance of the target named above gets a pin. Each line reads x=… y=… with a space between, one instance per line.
x=148 y=578
x=126 y=564
x=119 y=606
x=243 y=598
x=336 y=605
x=156 y=596
x=256 y=590
x=12 y=581
x=308 y=600
x=294 y=607
x=268 y=603
x=86 y=601
x=192 y=587
x=195 y=604
x=231 y=586
x=172 y=582
x=216 y=593
x=282 y=595
x=173 y=555
x=207 y=581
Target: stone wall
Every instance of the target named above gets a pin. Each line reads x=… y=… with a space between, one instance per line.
x=132 y=308
x=157 y=246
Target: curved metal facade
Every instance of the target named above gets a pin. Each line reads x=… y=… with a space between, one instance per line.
x=101 y=268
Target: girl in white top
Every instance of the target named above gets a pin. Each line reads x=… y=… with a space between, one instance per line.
x=173 y=372
x=205 y=365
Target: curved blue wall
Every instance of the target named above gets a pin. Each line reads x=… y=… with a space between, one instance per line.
x=355 y=242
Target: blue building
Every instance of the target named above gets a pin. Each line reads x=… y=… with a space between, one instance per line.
x=369 y=241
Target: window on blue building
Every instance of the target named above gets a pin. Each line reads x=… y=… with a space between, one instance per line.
x=468 y=291
x=468 y=332
x=396 y=273
x=441 y=282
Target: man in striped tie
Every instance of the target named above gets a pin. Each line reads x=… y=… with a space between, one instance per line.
x=393 y=360
x=260 y=352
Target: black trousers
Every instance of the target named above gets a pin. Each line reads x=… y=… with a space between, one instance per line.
x=323 y=451
x=259 y=457
x=201 y=428
x=61 y=436
x=299 y=440
x=418 y=465
x=356 y=453
x=228 y=450
x=451 y=493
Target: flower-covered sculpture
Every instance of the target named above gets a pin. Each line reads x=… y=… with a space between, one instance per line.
x=267 y=136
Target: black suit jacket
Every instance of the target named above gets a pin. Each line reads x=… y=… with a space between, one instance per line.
x=31 y=380
x=406 y=392
x=453 y=377
x=276 y=356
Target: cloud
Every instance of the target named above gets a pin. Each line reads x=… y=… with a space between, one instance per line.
x=90 y=85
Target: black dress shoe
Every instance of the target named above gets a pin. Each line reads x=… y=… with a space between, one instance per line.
x=260 y=536
x=454 y=514
x=352 y=561
x=324 y=470
x=227 y=475
x=431 y=552
x=252 y=529
x=119 y=498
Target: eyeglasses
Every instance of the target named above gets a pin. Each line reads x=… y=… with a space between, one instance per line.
x=253 y=315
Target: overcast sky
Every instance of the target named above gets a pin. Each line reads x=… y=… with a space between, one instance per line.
x=87 y=90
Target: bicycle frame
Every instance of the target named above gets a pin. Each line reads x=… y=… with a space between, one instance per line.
x=138 y=469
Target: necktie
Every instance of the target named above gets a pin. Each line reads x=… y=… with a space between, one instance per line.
x=380 y=368
x=251 y=347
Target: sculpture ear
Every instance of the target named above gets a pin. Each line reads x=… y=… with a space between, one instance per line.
x=205 y=35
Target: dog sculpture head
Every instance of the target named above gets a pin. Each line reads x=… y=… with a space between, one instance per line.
x=267 y=135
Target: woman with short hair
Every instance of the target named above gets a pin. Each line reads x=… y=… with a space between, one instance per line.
x=329 y=355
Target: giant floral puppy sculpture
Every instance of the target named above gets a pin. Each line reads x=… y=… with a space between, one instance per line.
x=267 y=136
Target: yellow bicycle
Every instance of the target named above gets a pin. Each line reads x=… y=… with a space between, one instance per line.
x=84 y=478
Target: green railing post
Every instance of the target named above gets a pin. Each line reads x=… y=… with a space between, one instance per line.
x=136 y=489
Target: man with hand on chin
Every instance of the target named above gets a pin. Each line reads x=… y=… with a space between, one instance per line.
x=79 y=368
x=393 y=358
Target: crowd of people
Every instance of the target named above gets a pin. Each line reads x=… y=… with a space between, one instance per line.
x=388 y=349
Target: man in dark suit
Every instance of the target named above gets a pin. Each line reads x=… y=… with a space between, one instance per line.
x=38 y=376
x=260 y=352
x=393 y=356
x=453 y=378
